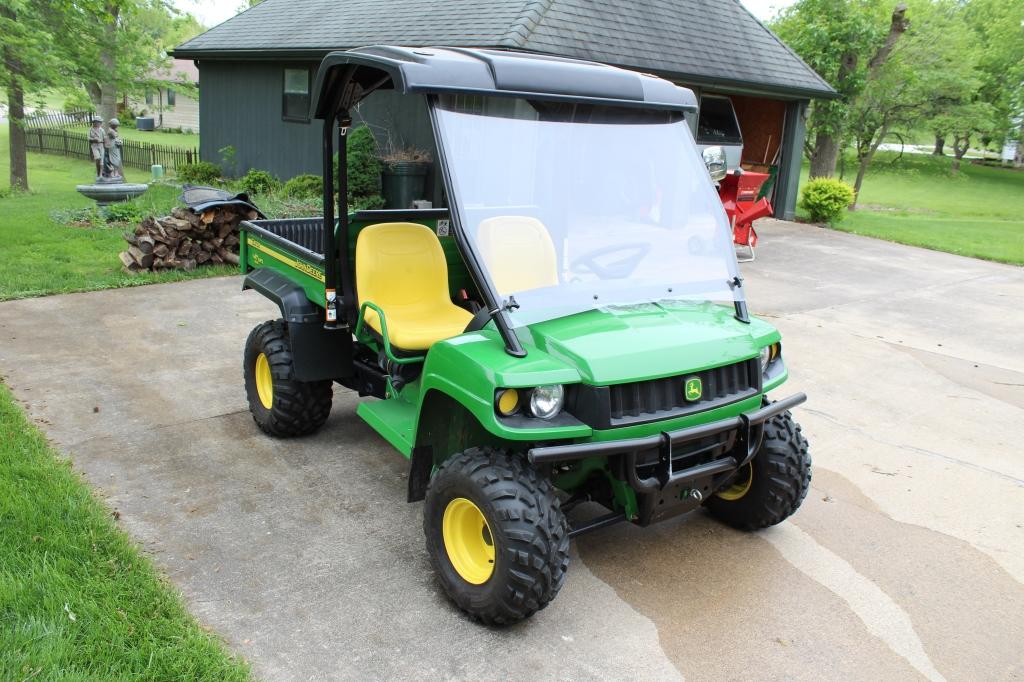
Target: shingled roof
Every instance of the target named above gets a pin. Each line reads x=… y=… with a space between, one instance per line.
x=694 y=41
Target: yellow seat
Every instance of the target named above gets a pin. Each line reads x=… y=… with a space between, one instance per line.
x=400 y=267
x=519 y=253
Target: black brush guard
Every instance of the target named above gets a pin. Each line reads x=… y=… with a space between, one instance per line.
x=669 y=492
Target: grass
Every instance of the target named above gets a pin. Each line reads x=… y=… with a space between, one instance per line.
x=167 y=139
x=78 y=600
x=916 y=201
x=41 y=255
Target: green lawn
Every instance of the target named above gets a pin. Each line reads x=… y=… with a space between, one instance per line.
x=38 y=255
x=916 y=201
x=78 y=600
x=182 y=140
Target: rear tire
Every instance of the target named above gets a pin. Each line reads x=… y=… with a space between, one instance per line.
x=281 y=405
x=526 y=536
x=774 y=486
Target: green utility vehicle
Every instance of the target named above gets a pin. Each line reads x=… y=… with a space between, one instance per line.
x=571 y=328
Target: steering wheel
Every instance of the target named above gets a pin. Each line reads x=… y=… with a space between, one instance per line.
x=620 y=268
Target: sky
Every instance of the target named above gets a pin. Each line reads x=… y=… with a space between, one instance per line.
x=213 y=13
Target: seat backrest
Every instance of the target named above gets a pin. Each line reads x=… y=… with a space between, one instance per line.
x=519 y=253
x=400 y=264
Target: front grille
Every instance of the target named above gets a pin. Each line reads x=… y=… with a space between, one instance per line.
x=645 y=401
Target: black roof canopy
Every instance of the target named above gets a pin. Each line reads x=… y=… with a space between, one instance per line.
x=696 y=41
x=346 y=77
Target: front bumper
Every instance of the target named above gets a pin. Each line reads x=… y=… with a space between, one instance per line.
x=661 y=489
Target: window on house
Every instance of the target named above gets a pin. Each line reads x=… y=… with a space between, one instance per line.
x=171 y=96
x=717 y=122
x=149 y=98
x=295 y=105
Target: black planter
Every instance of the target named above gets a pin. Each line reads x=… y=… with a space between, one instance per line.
x=402 y=182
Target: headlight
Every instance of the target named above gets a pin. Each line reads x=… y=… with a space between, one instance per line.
x=547 y=401
x=714 y=159
x=769 y=355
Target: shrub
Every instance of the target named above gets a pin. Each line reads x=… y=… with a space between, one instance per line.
x=306 y=186
x=199 y=173
x=826 y=199
x=367 y=203
x=259 y=182
x=122 y=213
x=363 y=165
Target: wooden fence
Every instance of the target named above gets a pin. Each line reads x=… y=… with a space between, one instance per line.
x=134 y=154
x=57 y=119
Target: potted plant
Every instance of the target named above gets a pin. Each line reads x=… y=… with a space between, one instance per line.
x=403 y=176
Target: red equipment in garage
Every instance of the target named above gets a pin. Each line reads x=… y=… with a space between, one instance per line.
x=739 y=192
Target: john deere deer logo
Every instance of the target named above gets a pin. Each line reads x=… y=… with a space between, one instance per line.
x=693 y=389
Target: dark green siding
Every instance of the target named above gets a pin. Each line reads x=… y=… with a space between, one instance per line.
x=788 y=180
x=240 y=106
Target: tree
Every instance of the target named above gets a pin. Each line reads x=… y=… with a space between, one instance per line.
x=998 y=27
x=117 y=45
x=26 y=66
x=929 y=71
x=836 y=39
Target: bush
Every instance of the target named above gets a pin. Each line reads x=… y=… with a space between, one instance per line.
x=826 y=199
x=367 y=203
x=199 y=173
x=306 y=186
x=363 y=166
x=259 y=182
x=122 y=213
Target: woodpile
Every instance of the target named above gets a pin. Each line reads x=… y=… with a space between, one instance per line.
x=186 y=240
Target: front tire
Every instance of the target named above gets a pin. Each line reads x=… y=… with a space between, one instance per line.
x=281 y=405
x=496 y=535
x=773 y=485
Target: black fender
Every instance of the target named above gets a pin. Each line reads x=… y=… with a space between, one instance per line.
x=445 y=428
x=289 y=296
x=318 y=352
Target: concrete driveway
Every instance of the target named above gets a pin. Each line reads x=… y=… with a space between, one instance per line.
x=907 y=559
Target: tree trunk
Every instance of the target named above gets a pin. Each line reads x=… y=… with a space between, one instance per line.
x=108 y=59
x=865 y=162
x=15 y=114
x=824 y=156
x=960 y=147
x=898 y=25
x=103 y=92
x=940 y=145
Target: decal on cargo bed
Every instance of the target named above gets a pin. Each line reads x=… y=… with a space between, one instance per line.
x=302 y=267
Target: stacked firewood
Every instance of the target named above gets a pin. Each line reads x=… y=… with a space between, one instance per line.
x=185 y=239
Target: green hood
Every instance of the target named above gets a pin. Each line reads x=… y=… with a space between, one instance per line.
x=633 y=343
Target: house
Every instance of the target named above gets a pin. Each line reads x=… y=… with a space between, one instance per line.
x=257 y=69
x=172 y=104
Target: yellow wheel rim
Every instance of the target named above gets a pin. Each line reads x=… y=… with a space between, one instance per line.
x=468 y=541
x=741 y=486
x=264 y=381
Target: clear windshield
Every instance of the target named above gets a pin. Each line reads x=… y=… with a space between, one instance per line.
x=570 y=207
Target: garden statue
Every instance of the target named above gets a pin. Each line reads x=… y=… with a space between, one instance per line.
x=112 y=167
x=96 y=139
x=105 y=149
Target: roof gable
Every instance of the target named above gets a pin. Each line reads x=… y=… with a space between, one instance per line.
x=699 y=41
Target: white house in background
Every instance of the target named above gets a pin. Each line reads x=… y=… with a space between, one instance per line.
x=168 y=106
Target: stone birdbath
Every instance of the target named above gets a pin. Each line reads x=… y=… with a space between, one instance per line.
x=105 y=191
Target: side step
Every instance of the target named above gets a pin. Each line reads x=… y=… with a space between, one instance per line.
x=393 y=419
